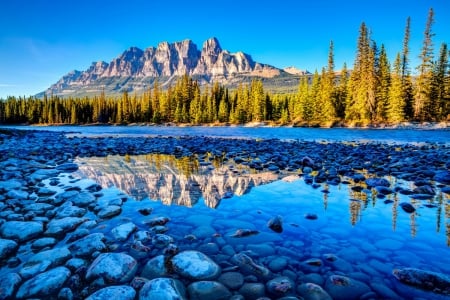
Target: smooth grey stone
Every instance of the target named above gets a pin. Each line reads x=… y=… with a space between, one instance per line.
x=205 y=290
x=44 y=284
x=87 y=245
x=195 y=265
x=21 y=231
x=163 y=289
x=122 y=292
x=113 y=268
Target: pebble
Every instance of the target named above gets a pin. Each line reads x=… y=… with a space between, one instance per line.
x=232 y=280
x=7 y=248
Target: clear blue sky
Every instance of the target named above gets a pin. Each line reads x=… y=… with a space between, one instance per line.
x=42 y=40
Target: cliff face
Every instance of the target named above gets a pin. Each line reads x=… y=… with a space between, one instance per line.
x=171 y=181
x=135 y=69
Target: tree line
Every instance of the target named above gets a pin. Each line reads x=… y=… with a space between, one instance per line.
x=371 y=92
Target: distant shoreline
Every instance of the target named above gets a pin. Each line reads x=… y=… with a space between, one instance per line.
x=402 y=125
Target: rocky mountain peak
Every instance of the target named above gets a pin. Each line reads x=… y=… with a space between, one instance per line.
x=135 y=68
x=211 y=47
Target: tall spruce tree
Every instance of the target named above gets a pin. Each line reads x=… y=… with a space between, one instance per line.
x=438 y=91
x=358 y=97
x=422 y=99
x=407 y=85
x=396 y=103
x=383 y=74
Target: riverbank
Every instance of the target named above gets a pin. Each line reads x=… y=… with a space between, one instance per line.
x=354 y=125
x=51 y=246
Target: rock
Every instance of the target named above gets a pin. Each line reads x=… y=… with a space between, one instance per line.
x=311 y=291
x=109 y=211
x=21 y=231
x=74 y=264
x=374 y=182
x=122 y=232
x=407 y=207
x=344 y=288
x=232 y=280
x=262 y=249
x=384 y=291
x=278 y=264
x=113 y=268
x=87 y=245
x=158 y=221
x=69 y=210
x=122 y=292
x=7 y=248
x=42 y=174
x=249 y=267
x=67 y=167
x=252 y=291
x=280 y=286
x=164 y=289
x=65 y=294
x=161 y=240
x=155 y=268
x=82 y=199
x=442 y=177
x=59 y=227
x=9 y=283
x=17 y=194
x=30 y=270
x=423 y=279
x=388 y=244
x=205 y=290
x=240 y=233
x=276 y=224
x=57 y=257
x=45 y=284
x=195 y=265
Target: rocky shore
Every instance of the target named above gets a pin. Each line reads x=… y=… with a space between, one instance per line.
x=52 y=245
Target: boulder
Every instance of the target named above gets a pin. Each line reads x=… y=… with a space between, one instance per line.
x=163 y=288
x=195 y=265
x=45 y=284
x=113 y=268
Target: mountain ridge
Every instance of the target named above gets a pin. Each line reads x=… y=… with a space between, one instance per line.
x=135 y=69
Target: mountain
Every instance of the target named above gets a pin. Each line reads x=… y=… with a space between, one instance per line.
x=136 y=69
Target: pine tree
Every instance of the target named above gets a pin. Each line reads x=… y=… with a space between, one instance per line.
x=360 y=83
x=422 y=99
x=396 y=104
x=438 y=92
x=407 y=86
x=383 y=73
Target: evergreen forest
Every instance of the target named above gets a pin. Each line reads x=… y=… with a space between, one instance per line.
x=374 y=91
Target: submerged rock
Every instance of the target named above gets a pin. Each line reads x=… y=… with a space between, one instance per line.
x=244 y=233
x=122 y=232
x=345 y=288
x=276 y=224
x=248 y=266
x=312 y=291
x=423 y=279
x=280 y=286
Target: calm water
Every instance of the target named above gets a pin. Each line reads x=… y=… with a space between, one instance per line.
x=308 y=134
x=370 y=236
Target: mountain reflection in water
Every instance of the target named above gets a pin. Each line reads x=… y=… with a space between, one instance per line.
x=187 y=180
x=179 y=181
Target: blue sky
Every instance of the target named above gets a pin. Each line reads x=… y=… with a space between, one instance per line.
x=42 y=40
